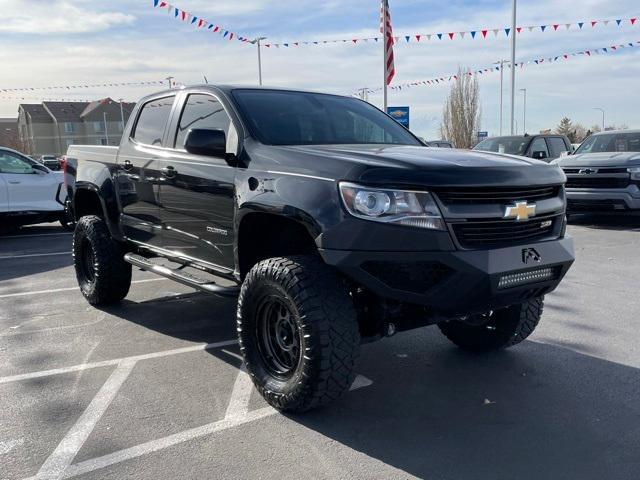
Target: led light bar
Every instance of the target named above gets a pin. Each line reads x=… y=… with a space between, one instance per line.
x=524 y=278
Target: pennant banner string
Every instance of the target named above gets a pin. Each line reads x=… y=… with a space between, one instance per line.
x=199 y=22
x=488 y=70
x=480 y=33
x=76 y=87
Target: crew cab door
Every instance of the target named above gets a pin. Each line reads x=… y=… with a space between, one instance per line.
x=138 y=175
x=28 y=189
x=197 y=193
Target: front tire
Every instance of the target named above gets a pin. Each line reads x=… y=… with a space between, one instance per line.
x=103 y=275
x=298 y=332
x=496 y=330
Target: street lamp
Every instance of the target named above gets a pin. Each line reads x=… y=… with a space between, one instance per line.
x=501 y=63
x=106 y=133
x=602 y=110
x=121 y=114
x=257 y=41
x=524 y=114
x=513 y=64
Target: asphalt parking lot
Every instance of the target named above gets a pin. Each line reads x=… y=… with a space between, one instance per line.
x=154 y=388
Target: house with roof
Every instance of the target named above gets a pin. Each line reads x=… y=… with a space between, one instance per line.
x=50 y=127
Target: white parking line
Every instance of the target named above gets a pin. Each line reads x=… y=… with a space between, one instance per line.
x=6 y=447
x=59 y=461
x=33 y=255
x=240 y=395
x=61 y=234
x=68 y=289
x=175 y=439
x=106 y=363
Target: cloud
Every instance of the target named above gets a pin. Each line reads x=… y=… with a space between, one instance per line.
x=46 y=17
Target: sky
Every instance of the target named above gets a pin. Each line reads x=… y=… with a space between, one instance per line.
x=70 y=42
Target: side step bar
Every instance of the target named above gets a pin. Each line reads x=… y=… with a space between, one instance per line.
x=181 y=277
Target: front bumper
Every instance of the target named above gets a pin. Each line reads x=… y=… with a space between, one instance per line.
x=592 y=200
x=455 y=282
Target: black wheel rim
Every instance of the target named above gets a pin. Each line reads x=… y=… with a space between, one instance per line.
x=278 y=337
x=87 y=263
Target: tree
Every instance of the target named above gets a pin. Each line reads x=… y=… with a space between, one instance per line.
x=12 y=140
x=566 y=128
x=461 y=113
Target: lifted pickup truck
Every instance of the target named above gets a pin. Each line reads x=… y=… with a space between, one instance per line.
x=332 y=223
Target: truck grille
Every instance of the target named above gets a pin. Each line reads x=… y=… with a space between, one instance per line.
x=505 y=233
x=571 y=171
x=496 y=195
x=597 y=182
x=416 y=277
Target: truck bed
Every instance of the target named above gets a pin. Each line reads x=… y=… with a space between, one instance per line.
x=93 y=153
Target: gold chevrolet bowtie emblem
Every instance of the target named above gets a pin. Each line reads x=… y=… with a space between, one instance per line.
x=520 y=211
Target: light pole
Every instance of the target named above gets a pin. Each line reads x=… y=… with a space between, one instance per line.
x=513 y=64
x=106 y=133
x=257 y=42
x=122 y=114
x=501 y=63
x=170 y=80
x=602 y=110
x=524 y=113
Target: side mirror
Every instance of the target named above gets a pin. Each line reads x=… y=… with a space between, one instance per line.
x=211 y=143
x=37 y=168
x=540 y=155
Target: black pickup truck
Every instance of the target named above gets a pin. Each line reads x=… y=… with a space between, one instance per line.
x=331 y=223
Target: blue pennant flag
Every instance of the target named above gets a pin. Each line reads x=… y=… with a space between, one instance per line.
x=618 y=22
x=507 y=30
x=580 y=24
x=408 y=38
x=176 y=12
x=155 y=3
x=194 y=20
x=543 y=27
x=439 y=36
x=473 y=34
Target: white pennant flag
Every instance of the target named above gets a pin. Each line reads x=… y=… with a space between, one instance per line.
x=495 y=32
x=567 y=25
x=531 y=29
x=462 y=34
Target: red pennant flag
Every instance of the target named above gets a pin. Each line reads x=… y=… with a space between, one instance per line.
x=613 y=47
x=201 y=22
x=297 y=44
x=566 y=57
x=355 y=40
x=484 y=33
x=555 y=27
x=216 y=29
x=633 y=20
x=519 y=29
x=163 y=4
x=231 y=36
x=183 y=14
x=593 y=23
x=451 y=35
x=588 y=52
x=418 y=37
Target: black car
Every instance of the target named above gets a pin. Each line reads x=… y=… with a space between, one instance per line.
x=331 y=223
x=545 y=147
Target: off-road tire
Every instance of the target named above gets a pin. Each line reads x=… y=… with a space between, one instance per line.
x=504 y=328
x=328 y=331
x=106 y=279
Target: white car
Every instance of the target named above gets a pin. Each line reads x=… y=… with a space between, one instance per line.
x=30 y=193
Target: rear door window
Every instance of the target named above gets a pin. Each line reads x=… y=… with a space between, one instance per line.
x=556 y=146
x=152 y=121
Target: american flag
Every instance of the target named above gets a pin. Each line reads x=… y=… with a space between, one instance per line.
x=385 y=18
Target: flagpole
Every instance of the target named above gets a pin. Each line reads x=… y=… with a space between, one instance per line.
x=384 y=55
x=513 y=66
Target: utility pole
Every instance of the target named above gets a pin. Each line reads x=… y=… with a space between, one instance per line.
x=106 y=133
x=501 y=63
x=257 y=42
x=170 y=80
x=513 y=65
x=364 y=94
x=602 y=110
x=524 y=114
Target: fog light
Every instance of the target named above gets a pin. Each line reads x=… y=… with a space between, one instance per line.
x=532 y=276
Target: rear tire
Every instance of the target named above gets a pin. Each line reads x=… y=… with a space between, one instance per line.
x=103 y=275
x=298 y=332
x=496 y=330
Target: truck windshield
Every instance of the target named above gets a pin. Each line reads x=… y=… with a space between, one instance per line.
x=297 y=118
x=611 y=142
x=510 y=145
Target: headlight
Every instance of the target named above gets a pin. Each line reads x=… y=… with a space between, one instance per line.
x=635 y=173
x=400 y=207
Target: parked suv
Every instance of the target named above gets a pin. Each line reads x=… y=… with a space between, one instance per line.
x=541 y=147
x=604 y=174
x=331 y=223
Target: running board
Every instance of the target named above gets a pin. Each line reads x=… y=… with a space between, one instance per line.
x=181 y=277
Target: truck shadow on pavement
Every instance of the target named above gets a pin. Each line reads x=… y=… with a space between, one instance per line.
x=607 y=222
x=433 y=411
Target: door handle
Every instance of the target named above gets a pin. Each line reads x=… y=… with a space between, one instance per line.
x=169 y=172
x=14 y=182
x=127 y=165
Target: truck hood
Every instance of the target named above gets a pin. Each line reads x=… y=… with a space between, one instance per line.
x=415 y=166
x=605 y=159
